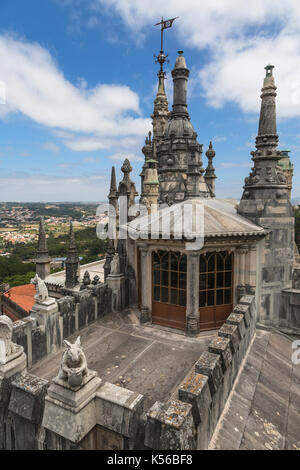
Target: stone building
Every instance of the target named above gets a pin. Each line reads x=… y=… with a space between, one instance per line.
x=186 y=263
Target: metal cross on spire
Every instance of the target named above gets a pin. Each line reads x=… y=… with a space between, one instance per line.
x=161 y=58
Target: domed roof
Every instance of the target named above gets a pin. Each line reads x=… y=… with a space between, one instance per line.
x=179 y=127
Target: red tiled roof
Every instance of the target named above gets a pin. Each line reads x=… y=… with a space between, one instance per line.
x=22 y=296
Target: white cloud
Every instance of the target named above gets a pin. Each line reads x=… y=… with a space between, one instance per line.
x=241 y=41
x=50 y=146
x=36 y=88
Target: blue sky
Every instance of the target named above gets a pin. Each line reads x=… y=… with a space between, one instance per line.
x=79 y=80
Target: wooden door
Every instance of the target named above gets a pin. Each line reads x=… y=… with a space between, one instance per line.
x=169 y=289
x=215 y=289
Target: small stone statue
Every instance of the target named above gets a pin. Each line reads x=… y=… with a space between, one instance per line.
x=7 y=347
x=86 y=278
x=41 y=290
x=115 y=265
x=96 y=280
x=73 y=366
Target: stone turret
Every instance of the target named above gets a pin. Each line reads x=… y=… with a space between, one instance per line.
x=113 y=200
x=210 y=175
x=43 y=259
x=179 y=153
x=265 y=201
x=72 y=262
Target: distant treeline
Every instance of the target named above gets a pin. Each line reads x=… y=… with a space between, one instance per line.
x=17 y=272
x=55 y=210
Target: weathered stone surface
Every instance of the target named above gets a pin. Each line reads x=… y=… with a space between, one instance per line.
x=195 y=390
x=231 y=332
x=27 y=397
x=68 y=413
x=118 y=409
x=244 y=310
x=220 y=345
x=238 y=319
x=170 y=426
x=210 y=364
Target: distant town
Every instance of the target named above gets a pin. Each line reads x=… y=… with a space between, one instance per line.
x=19 y=224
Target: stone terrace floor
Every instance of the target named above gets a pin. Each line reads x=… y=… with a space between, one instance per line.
x=150 y=360
x=263 y=411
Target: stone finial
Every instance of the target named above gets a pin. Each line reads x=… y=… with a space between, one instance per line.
x=113 y=193
x=41 y=295
x=126 y=167
x=96 y=280
x=7 y=347
x=73 y=367
x=210 y=175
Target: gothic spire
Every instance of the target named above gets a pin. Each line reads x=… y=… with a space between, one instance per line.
x=113 y=183
x=113 y=193
x=72 y=262
x=266 y=180
x=42 y=243
x=267 y=130
x=42 y=256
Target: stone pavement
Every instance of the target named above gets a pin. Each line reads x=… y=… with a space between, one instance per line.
x=263 y=410
x=147 y=359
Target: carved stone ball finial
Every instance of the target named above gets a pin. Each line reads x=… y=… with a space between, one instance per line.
x=210 y=152
x=73 y=366
x=126 y=167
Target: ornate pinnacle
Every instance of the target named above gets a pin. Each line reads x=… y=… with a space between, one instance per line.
x=42 y=243
x=126 y=168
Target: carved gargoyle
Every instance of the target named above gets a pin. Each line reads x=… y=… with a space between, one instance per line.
x=41 y=289
x=7 y=347
x=73 y=366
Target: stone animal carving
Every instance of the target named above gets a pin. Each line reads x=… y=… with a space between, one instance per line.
x=7 y=347
x=86 y=278
x=115 y=265
x=73 y=366
x=41 y=289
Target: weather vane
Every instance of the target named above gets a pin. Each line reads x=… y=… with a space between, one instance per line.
x=161 y=58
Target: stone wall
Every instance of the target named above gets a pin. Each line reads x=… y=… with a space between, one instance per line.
x=103 y=416
x=42 y=333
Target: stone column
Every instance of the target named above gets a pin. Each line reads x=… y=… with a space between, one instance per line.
x=192 y=294
x=252 y=266
x=241 y=289
x=146 y=284
x=47 y=315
